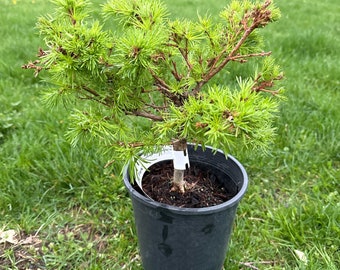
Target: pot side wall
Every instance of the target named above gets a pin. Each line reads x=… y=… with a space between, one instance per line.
x=173 y=238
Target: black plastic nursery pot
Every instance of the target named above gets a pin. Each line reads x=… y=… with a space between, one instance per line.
x=174 y=238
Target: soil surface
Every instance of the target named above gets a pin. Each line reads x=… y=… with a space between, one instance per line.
x=203 y=188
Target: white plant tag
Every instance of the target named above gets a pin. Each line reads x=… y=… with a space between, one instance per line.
x=148 y=161
x=181 y=160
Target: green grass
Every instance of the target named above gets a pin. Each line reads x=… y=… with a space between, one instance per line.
x=70 y=213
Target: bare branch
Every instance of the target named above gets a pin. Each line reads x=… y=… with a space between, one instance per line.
x=153 y=106
x=175 y=73
x=260 y=17
x=145 y=114
x=263 y=86
x=164 y=88
x=184 y=53
x=240 y=57
x=33 y=65
x=96 y=96
x=91 y=91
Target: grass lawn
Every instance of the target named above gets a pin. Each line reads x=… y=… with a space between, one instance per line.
x=60 y=209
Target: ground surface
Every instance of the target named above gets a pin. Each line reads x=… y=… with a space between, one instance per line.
x=65 y=211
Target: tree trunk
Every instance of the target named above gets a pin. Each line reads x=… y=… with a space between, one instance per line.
x=178 y=183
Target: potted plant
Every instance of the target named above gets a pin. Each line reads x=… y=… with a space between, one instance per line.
x=172 y=98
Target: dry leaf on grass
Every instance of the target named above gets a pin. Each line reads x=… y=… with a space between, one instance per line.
x=8 y=236
x=300 y=255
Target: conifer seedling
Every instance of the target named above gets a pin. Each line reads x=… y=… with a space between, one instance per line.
x=136 y=79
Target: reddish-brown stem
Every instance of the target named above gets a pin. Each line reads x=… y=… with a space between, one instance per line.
x=134 y=112
x=260 y=19
x=184 y=53
x=145 y=114
x=239 y=56
x=264 y=85
x=175 y=73
x=164 y=88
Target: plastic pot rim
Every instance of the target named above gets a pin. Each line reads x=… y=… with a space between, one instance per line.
x=192 y=211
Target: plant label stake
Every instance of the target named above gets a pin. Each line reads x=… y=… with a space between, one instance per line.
x=181 y=163
x=181 y=160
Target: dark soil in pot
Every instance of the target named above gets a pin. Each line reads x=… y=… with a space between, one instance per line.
x=203 y=188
